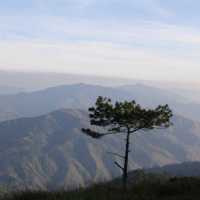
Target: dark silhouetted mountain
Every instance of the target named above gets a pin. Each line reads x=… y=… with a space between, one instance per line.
x=51 y=151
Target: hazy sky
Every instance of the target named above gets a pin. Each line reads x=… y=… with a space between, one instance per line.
x=143 y=39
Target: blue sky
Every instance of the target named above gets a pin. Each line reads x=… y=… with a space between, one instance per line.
x=145 y=39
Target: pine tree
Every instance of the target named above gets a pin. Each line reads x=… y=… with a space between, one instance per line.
x=127 y=118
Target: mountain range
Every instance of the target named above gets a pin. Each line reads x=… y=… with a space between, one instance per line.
x=42 y=146
x=50 y=151
x=81 y=96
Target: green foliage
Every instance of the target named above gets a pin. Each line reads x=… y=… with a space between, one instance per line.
x=118 y=117
x=125 y=117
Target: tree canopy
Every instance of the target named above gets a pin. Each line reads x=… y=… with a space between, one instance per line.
x=118 y=117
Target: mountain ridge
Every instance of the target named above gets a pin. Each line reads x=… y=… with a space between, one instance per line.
x=51 y=151
x=82 y=96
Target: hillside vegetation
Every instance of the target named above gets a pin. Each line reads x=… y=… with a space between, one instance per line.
x=170 y=189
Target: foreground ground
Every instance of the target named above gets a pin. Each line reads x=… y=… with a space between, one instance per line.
x=171 y=189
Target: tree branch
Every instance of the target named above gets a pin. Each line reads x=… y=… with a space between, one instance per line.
x=94 y=134
x=135 y=130
x=118 y=165
x=144 y=129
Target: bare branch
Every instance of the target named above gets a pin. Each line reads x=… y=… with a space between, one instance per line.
x=118 y=165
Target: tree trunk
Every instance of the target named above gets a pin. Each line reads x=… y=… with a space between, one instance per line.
x=125 y=169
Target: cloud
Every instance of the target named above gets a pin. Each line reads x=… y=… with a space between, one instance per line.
x=149 y=34
x=119 y=38
x=96 y=58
